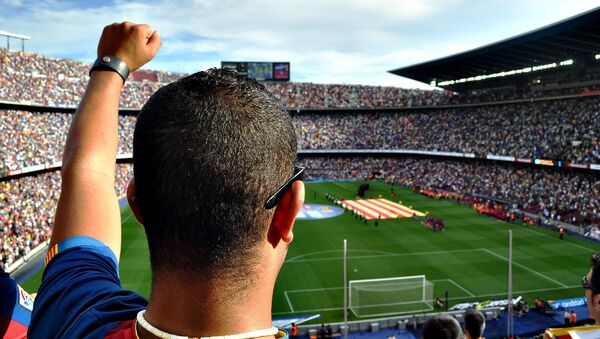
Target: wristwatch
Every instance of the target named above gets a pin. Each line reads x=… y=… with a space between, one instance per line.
x=110 y=62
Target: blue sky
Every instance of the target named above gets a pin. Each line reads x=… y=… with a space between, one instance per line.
x=326 y=41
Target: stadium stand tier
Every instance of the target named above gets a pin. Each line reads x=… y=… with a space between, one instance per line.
x=566 y=130
x=36 y=79
x=560 y=56
x=560 y=130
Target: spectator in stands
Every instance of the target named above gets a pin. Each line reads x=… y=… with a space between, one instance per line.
x=573 y=319
x=474 y=324
x=216 y=191
x=591 y=283
x=322 y=332
x=442 y=327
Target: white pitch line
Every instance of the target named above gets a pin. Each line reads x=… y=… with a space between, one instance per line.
x=566 y=242
x=127 y=218
x=548 y=236
x=389 y=254
x=331 y=251
x=454 y=298
x=315 y=289
x=525 y=268
x=288 y=301
x=462 y=288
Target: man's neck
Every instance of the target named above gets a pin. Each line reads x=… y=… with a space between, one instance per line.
x=208 y=308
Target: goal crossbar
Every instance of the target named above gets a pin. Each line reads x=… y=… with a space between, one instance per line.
x=396 y=295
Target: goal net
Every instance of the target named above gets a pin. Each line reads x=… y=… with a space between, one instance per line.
x=387 y=296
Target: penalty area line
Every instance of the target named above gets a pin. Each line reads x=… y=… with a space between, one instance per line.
x=287 y=297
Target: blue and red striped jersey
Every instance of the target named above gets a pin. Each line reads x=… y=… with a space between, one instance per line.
x=15 y=308
x=81 y=294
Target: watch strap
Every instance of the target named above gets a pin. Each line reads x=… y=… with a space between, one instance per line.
x=110 y=62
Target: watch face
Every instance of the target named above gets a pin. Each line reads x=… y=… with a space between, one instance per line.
x=106 y=58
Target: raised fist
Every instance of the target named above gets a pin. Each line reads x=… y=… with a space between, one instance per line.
x=134 y=44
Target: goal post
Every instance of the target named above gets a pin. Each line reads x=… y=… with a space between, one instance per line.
x=388 y=296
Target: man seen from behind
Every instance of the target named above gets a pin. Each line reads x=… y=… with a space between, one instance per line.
x=215 y=187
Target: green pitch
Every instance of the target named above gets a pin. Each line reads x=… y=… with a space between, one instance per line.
x=469 y=259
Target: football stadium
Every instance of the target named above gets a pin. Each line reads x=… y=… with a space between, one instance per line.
x=482 y=194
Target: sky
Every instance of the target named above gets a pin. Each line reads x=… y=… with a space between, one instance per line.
x=326 y=41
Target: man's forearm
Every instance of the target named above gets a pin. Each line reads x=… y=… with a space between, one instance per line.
x=89 y=163
x=93 y=137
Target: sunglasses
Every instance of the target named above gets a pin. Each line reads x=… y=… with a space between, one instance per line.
x=586 y=284
x=274 y=199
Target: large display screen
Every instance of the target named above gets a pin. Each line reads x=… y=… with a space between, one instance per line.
x=281 y=71
x=261 y=70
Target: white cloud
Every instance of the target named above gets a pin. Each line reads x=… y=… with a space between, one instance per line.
x=333 y=41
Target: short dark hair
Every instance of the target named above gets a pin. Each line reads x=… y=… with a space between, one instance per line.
x=442 y=327
x=208 y=150
x=474 y=323
x=595 y=278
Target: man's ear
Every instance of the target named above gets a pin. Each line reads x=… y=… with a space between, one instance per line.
x=285 y=214
x=131 y=199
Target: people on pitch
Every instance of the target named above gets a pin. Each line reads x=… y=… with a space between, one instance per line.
x=439 y=303
x=442 y=327
x=215 y=186
x=561 y=233
x=474 y=324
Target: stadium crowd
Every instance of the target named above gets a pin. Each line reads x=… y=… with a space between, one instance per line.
x=50 y=81
x=28 y=139
x=60 y=82
x=565 y=130
x=562 y=195
x=37 y=79
x=27 y=207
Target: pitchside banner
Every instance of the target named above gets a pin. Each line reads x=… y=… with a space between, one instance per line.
x=484 y=304
x=569 y=303
x=500 y=157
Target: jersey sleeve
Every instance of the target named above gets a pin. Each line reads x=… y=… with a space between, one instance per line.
x=81 y=295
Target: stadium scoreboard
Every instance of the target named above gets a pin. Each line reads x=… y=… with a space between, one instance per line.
x=261 y=71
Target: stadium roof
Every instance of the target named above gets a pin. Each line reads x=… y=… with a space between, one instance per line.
x=573 y=38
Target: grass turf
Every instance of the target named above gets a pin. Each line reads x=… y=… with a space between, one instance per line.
x=469 y=259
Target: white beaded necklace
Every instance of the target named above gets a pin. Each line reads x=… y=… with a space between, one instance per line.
x=164 y=335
